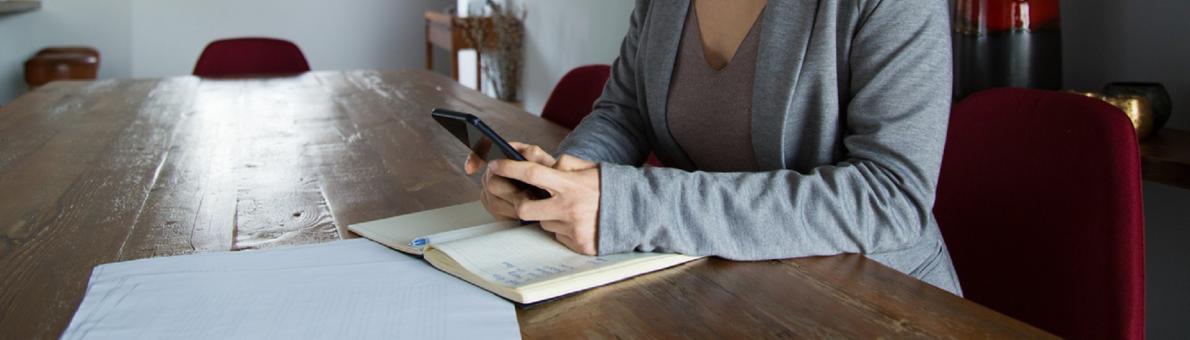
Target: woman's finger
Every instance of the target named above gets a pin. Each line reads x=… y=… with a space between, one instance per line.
x=501 y=187
x=474 y=164
x=534 y=154
x=531 y=173
x=498 y=207
x=529 y=209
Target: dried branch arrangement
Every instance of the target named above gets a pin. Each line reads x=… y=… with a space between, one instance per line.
x=499 y=37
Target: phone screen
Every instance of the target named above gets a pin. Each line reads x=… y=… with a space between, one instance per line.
x=479 y=143
x=482 y=141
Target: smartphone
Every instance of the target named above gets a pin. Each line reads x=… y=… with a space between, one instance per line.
x=483 y=142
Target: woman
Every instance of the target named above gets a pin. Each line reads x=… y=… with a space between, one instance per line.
x=794 y=128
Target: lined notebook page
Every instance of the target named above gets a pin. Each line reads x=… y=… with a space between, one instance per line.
x=526 y=255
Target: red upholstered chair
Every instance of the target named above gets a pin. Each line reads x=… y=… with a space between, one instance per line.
x=1039 y=201
x=250 y=56
x=575 y=94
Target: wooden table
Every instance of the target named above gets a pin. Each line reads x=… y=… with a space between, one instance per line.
x=118 y=170
x=1165 y=158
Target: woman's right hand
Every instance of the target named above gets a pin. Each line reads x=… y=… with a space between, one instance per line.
x=495 y=188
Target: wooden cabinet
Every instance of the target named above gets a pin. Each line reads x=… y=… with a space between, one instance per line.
x=449 y=32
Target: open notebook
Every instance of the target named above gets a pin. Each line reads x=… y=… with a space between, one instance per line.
x=519 y=262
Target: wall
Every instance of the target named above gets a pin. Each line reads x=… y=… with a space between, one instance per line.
x=375 y=34
x=1167 y=231
x=16 y=37
x=561 y=35
x=155 y=38
x=1134 y=40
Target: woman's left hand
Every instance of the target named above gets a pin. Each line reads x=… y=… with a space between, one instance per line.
x=573 y=210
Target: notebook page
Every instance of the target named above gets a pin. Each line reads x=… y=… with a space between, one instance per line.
x=400 y=231
x=459 y=234
x=524 y=256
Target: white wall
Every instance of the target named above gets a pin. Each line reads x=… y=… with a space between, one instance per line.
x=562 y=35
x=335 y=35
x=16 y=38
x=155 y=38
x=1134 y=40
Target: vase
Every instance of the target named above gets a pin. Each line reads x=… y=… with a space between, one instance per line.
x=1154 y=93
x=1006 y=43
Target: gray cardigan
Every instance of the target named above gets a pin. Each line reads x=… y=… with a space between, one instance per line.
x=850 y=106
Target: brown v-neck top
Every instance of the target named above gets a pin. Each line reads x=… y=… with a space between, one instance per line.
x=709 y=111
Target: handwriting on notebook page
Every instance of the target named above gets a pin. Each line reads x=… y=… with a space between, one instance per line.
x=517 y=275
x=522 y=256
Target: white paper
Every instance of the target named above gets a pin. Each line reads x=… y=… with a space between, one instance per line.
x=354 y=289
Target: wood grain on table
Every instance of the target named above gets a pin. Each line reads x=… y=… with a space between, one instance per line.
x=97 y=172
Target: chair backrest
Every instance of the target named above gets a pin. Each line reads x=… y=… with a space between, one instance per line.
x=575 y=95
x=250 y=56
x=1039 y=201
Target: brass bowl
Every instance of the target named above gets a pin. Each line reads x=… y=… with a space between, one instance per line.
x=1137 y=108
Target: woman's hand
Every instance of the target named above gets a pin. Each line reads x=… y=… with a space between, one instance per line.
x=573 y=210
x=570 y=214
x=498 y=192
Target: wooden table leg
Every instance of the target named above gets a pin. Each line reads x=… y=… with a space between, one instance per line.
x=454 y=64
x=429 y=50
